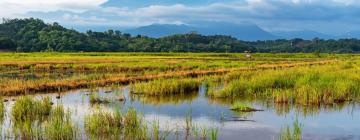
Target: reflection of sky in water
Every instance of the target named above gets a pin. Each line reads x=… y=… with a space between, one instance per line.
x=263 y=125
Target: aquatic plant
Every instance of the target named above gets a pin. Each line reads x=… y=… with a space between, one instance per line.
x=59 y=126
x=103 y=124
x=163 y=87
x=97 y=99
x=293 y=133
x=239 y=106
x=28 y=109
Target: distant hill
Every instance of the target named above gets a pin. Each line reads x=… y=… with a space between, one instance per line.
x=248 y=32
x=352 y=34
x=34 y=35
x=303 y=34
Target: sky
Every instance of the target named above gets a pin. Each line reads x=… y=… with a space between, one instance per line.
x=326 y=16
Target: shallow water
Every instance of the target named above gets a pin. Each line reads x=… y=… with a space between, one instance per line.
x=323 y=122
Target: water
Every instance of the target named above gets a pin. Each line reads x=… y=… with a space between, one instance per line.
x=323 y=122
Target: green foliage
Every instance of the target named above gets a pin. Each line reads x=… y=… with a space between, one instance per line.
x=33 y=35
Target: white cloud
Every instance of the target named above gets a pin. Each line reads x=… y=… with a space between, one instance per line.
x=267 y=13
x=16 y=8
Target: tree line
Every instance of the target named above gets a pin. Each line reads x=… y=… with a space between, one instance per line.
x=34 y=35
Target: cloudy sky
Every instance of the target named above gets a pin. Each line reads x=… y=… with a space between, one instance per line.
x=327 y=16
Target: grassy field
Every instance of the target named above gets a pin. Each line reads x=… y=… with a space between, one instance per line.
x=24 y=73
x=305 y=81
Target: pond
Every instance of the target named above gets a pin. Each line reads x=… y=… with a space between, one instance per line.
x=338 y=121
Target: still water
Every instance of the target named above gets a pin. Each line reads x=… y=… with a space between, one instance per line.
x=320 y=122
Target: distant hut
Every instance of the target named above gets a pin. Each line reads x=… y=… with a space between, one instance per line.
x=248 y=55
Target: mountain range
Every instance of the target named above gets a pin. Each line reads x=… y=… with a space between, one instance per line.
x=244 y=31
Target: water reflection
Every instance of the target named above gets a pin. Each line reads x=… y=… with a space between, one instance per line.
x=320 y=122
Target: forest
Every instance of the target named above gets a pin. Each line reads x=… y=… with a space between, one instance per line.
x=34 y=35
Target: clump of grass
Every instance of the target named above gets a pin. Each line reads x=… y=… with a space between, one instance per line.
x=103 y=124
x=96 y=99
x=292 y=134
x=162 y=87
x=59 y=125
x=238 y=106
x=2 y=110
x=28 y=109
x=213 y=133
x=134 y=125
x=28 y=114
x=115 y=125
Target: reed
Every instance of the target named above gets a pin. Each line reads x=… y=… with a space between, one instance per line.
x=2 y=111
x=293 y=133
x=303 y=85
x=164 y=87
x=28 y=109
x=103 y=125
x=59 y=126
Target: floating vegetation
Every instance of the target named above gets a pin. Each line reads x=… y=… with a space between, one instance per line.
x=97 y=99
x=238 y=106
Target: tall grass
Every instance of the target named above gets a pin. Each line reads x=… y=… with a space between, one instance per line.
x=303 y=85
x=28 y=109
x=59 y=126
x=104 y=124
x=114 y=125
x=163 y=87
x=293 y=133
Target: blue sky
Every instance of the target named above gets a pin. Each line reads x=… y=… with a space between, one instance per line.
x=327 y=16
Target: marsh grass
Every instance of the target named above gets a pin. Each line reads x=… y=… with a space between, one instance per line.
x=239 y=106
x=163 y=87
x=304 y=85
x=59 y=126
x=29 y=110
x=294 y=133
x=104 y=125
x=114 y=125
x=97 y=99
x=2 y=111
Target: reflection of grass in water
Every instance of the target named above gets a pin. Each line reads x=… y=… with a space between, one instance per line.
x=170 y=99
x=293 y=133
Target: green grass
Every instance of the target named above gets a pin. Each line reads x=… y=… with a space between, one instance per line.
x=28 y=109
x=302 y=85
x=293 y=133
x=165 y=87
x=104 y=124
x=97 y=99
x=239 y=106
x=59 y=126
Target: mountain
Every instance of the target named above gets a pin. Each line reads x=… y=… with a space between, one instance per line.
x=352 y=34
x=304 y=34
x=161 y=30
x=246 y=31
